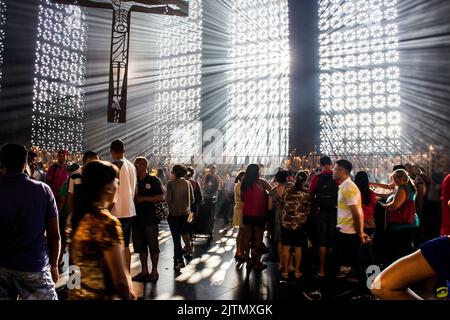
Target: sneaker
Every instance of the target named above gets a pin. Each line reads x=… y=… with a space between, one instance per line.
x=441 y=292
x=315 y=295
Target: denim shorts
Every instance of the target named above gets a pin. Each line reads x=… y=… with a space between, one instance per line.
x=26 y=285
x=326 y=229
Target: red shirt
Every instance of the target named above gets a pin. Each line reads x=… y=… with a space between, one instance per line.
x=369 y=209
x=445 y=191
x=57 y=174
x=315 y=180
x=255 y=204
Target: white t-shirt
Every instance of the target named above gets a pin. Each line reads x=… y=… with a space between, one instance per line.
x=348 y=195
x=229 y=185
x=124 y=207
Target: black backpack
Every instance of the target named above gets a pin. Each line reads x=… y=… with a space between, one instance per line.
x=326 y=193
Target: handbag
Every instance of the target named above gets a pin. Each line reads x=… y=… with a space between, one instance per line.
x=190 y=214
x=162 y=210
x=190 y=217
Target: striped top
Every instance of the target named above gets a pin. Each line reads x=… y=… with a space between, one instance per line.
x=348 y=195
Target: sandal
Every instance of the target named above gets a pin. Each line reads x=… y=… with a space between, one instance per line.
x=153 y=278
x=140 y=277
x=298 y=275
x=285 y=275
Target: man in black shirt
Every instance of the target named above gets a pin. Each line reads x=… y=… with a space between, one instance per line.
x=145 y=225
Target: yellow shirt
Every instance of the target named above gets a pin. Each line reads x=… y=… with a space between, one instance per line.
x=348 y=195
x=95 y=233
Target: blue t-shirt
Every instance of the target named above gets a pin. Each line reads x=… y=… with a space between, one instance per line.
x=437 y=254
x=25 y=207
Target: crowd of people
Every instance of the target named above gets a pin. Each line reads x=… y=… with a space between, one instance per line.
x=320 y=226
x=346 y=223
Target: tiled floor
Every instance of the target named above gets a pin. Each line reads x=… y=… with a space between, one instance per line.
x=211 y=274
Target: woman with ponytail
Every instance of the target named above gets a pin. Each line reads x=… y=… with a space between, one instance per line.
x=368 y=201
x=97 y=241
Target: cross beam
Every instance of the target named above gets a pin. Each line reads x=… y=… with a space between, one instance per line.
x=120 y=38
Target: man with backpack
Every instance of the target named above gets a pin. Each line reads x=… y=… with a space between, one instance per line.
x=324 y=192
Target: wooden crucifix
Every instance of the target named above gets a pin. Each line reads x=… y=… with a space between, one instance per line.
x=120 y=39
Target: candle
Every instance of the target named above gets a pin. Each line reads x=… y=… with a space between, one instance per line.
x=430 y=160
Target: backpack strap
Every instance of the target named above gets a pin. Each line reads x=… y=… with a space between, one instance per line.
x=189 y=186
x=315 y=195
